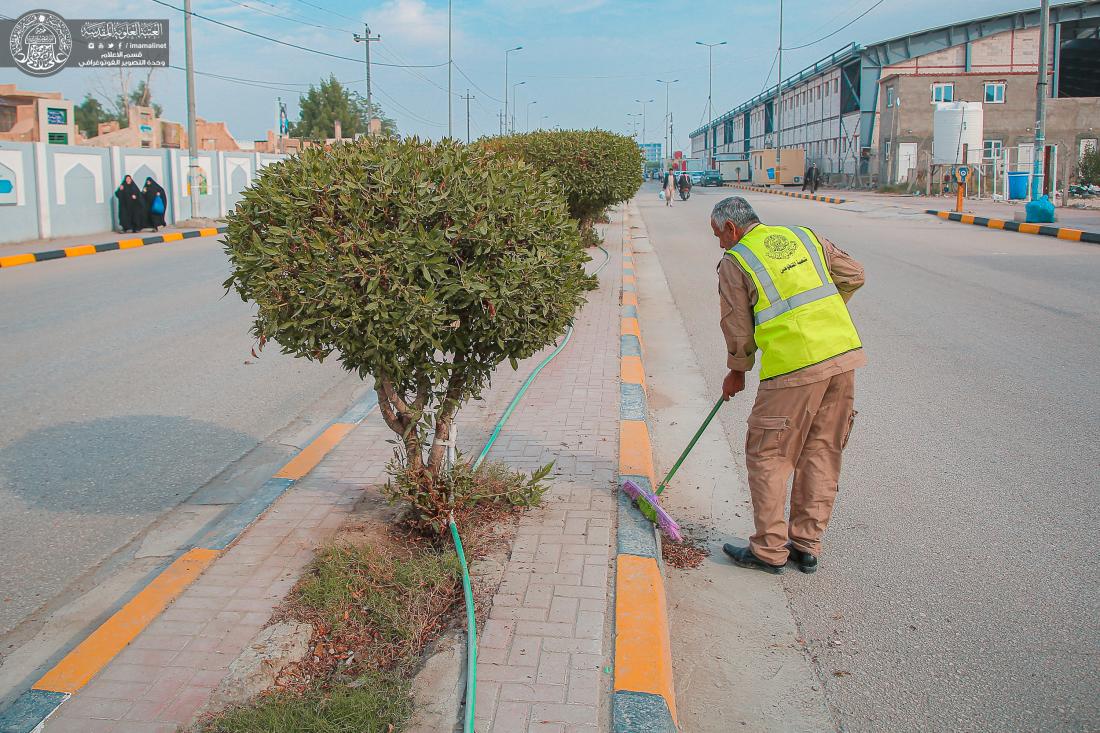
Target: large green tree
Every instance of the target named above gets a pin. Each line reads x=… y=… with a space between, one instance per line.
x=89 y=114
x=323 y=105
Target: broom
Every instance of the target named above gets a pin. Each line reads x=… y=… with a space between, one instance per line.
x=647 y=501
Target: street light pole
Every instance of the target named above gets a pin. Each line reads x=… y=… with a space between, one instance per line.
x=1040 y=106
x=504 y=127
x=527 y=127
x=710 y=93
x=779 y=98
x=450 y=67
x=192 y=143
x=643 y=103
x=668 y=122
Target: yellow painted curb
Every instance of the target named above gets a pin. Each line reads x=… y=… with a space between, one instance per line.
x=16 y=260
x=635 y=450
x=1073 y=235
x=629 y=326
x=630 y=299
x=208 y=232
x=172 y=236
x=84 y=662
x=631 y=371
x=312 y=454
x=131 y=243
x=643 y=649
x=84 y=249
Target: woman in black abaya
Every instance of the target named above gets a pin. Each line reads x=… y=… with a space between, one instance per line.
x=131 y=206
x=155 y=208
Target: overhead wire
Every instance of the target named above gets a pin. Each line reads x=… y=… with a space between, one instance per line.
x=474 y=84
x=838 y=30
x=286 y=17
x=287 y=43
x=330 y=12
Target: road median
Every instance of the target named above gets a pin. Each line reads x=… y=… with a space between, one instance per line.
x=1045 y=230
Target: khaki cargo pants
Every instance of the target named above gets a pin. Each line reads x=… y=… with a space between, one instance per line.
x=802 y=430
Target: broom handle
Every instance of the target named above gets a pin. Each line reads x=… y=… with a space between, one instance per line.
x=694 y=440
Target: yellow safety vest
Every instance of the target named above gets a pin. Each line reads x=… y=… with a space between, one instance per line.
x=800 y=317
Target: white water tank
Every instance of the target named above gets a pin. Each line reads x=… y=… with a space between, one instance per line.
x=955 y=124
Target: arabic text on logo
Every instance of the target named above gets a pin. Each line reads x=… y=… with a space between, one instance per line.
x=40 y=43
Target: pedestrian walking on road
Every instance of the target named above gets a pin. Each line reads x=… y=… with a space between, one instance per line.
x=783 y=290
x=157 y=202
x=668 y=184
x=131 y=206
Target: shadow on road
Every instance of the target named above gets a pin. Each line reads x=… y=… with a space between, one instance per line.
x=126 y=465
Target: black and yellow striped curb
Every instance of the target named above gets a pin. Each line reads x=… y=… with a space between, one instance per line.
x=27 y=713
x=81 y=250
x=644 y=698
x=1072 y=235
x=792 y=194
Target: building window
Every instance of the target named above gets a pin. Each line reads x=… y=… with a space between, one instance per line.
x=7 y=117
x=889 y=96
x=943 y=91
x=994 y=92
x=55 y=116
x=836 y=85
x=57 y=138
x=991 y=149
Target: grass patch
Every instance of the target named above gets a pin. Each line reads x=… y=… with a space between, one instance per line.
x=379 y=703
x=388 y=606
x=478 y=496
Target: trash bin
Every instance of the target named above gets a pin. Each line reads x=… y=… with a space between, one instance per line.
x=1018 y=184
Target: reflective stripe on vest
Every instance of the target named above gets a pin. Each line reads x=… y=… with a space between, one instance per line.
x=778 y=306
x=809 y=326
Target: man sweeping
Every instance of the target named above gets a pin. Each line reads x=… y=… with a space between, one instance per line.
x=783 y=291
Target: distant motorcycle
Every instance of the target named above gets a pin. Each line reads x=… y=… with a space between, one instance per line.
x=685 y=193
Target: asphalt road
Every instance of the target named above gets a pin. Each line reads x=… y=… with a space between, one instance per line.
x=958 y=589
x=127 y=384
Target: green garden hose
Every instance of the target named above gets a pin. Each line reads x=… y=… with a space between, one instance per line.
x=471 y=621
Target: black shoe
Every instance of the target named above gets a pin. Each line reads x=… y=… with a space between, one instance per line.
x=807 y=562
x=743 y=557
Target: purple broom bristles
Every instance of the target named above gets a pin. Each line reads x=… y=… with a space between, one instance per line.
x=665 y=521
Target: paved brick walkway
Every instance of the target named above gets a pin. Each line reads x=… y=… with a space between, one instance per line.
x=546 y=645
x=164 y=678
x=545 y=651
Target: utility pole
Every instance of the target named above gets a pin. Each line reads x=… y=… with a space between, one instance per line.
x=467 y=98
x=513 y=119
x=192 y=142
x=1040 y=105
x=450 y=66
x=710 y=95
x=779 y=97
x=367 y=39
x=505 y=126
x=668 y=118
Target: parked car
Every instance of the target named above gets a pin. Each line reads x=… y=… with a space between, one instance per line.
x=711 y=178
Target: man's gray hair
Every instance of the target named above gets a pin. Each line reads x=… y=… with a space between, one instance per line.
x=735 y=209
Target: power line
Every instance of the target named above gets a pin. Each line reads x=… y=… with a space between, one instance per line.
x=286 y=43
x=768 y=77
x=475 y=85
x=286 y=17
x=838 y=30
x=409 y=111
x=330 y=12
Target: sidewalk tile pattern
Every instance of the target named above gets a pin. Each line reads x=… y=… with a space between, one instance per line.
x=543 y=655
x=163 y=679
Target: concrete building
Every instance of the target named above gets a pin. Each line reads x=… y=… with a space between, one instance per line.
x=143 y=130
x=842 y=112
x=36 y=117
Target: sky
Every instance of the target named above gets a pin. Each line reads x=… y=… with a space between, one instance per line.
x=584 y=63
